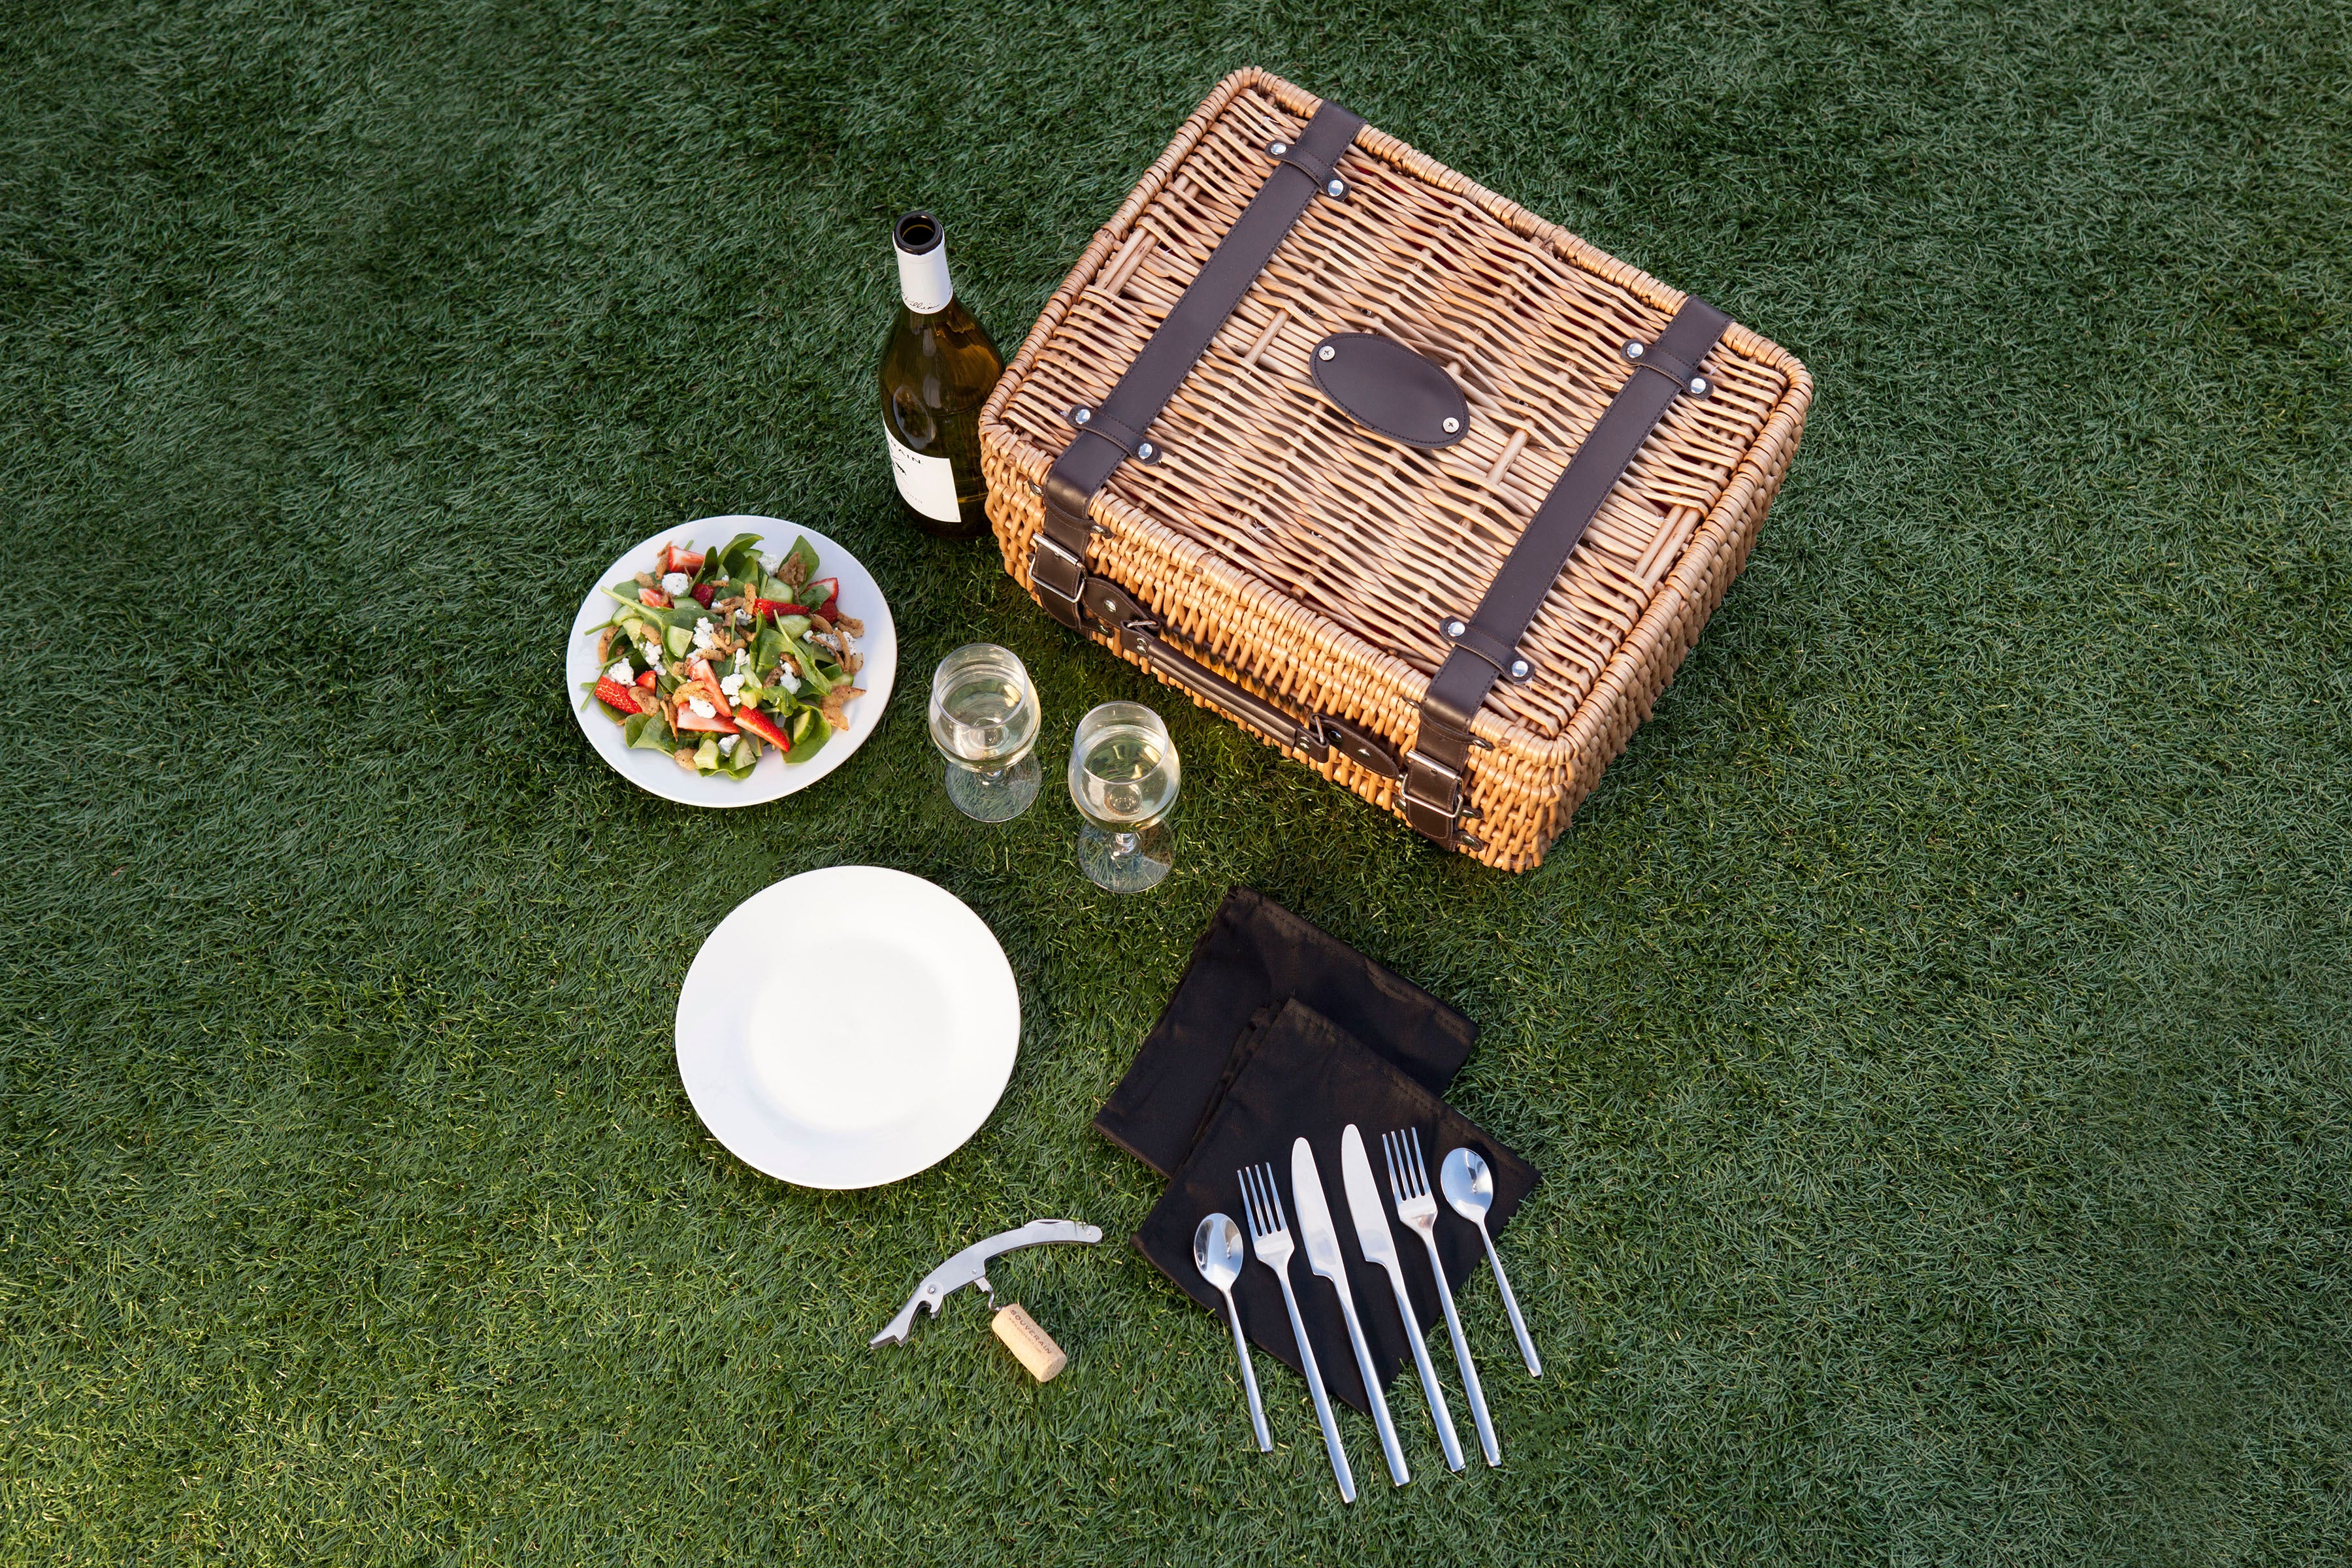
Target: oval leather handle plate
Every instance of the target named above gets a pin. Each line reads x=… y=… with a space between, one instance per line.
x=1391 y=389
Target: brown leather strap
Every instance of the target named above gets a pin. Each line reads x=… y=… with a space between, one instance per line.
x=1137 y=634
x=1485 y=646
x=1116 y=431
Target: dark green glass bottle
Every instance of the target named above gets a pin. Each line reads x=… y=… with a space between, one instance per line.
x=939 y=366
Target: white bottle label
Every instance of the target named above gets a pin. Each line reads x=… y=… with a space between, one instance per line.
x=923 y=280
x=927 y=483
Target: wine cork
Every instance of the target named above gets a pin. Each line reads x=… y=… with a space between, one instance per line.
x=1031 y=1345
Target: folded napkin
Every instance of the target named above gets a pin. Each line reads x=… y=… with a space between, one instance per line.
x=1299 y=1074
x=1258 y=954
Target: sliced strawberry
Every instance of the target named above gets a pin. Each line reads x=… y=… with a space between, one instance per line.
x=653 y=598
x=646 y=680
x=704 y=592
x=676 y=560
x=822 y=593
x=773 y=607
x=612 y=694
x=688 y=718
x=706 y=680
x=767 y=728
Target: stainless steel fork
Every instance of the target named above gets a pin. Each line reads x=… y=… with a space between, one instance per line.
x=1417 y=1206
x=1270 y=1239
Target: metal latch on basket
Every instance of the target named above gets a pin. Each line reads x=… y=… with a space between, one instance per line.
x=1429 y=796
x=1058 y=574
x=1314 y=737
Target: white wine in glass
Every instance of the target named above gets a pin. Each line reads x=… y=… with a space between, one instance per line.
x=983 y=718
x=1124 y=774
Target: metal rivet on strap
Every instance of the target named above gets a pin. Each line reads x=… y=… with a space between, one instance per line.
x=1455 y=628
x=1277 y=148
x=1326 y=351
x=1520 y=670
x=1147 y=451
x=1633 y=350
x=1081 y=415
x=1336 y=188
x=1699 y=387
x=1452 y=424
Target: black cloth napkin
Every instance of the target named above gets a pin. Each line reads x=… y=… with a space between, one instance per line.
x=1257 y=954
x=1301 y=1075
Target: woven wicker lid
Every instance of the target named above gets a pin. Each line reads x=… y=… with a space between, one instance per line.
x=1267 y=479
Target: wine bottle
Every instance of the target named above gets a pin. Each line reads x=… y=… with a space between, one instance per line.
x=939 y=366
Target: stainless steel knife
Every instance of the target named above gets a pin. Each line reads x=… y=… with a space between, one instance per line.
x=969 y=1267
x=1322 y=1244
x=1372 y=1217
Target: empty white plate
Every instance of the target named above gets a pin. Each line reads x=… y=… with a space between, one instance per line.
x=847 y=1027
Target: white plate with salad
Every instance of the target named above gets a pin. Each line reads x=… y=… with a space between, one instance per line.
x=847 y=1026
x=731 y=660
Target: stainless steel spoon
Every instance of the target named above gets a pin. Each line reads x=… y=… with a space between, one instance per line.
x=1217 y=1254
x=1469 y=1186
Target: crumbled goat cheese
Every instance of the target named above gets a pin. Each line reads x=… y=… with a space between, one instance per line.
x=620 y=672
x=743 y=657
x=730 y=684
x=727 y=744
x=702 y=708
x=792 y=682
x=677 y=583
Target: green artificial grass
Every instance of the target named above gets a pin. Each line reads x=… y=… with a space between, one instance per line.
x=1933 y=1031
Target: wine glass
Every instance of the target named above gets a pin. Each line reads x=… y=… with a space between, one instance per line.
x=984 y=723
x=1123 y=779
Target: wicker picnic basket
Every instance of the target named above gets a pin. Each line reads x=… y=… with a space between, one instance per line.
x=1425 y=491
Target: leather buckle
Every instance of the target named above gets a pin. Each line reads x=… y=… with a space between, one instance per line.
x=1059 y=577
x=1431 y=796
x=1431 y=801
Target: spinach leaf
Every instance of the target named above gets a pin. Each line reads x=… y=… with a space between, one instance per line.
x=811 y=677
x=803 y=750
x=648 y=730
x=676 y=615
x=740 y=559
